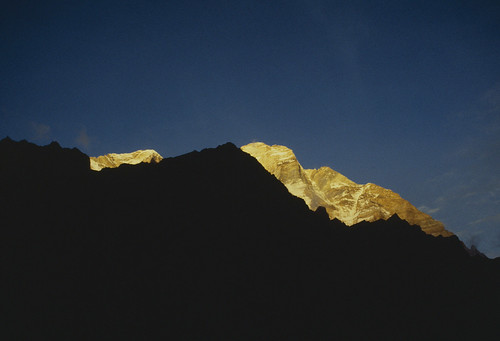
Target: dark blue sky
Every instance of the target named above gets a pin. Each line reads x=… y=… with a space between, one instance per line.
x=404 y=94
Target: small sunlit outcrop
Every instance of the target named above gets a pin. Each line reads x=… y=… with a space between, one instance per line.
x=115 y=160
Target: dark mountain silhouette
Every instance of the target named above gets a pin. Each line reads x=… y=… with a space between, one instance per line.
x=210 y=246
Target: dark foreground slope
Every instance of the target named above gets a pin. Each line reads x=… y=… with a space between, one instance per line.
x=208 y=245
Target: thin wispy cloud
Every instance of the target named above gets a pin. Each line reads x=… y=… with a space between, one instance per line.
x=83 y=139
x=491 y=98
x=469 y=190
x=41 y=132
x=429 y=210
x=493 y=219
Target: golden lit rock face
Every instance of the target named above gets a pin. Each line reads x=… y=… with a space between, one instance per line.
x=343 y=199
x=114 y=160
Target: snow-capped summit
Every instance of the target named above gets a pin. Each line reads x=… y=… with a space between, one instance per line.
x=114 y=160
x=343 y=199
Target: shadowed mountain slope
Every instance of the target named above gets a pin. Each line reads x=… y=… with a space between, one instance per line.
x=210 y=246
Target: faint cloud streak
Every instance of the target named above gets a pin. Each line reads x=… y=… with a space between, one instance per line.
x=491 y=99
x=428 y=210
x=41 y=132
x=468 y=190
x=83 y=140
x=493 y=219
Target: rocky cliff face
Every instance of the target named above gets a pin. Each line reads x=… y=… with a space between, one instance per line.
x=114 y=160
x=343 y=199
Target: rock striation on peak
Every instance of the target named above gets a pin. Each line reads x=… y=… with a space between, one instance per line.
x=342 y=198
x=114 y=160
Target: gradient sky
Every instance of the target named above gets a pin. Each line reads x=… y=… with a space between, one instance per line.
x=404 y=94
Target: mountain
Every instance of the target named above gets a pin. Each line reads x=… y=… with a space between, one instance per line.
x=211 y=246
x=343 y=199
x=114 y=160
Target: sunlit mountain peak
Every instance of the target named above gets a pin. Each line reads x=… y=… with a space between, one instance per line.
x=343 y=199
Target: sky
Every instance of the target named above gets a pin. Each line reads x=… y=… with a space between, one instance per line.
x=404 y=94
